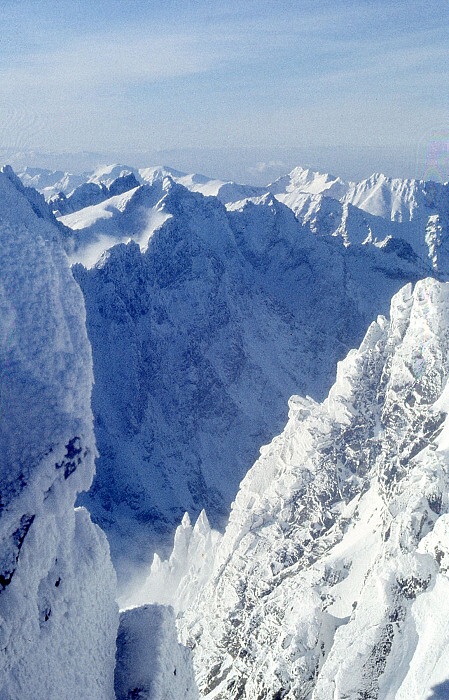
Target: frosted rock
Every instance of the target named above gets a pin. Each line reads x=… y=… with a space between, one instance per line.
x=179 y=580
x=151 y=665
x=58 y=618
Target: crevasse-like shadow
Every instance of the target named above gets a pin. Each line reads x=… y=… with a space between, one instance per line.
x=440 y=691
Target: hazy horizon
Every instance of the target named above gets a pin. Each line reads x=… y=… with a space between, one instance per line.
x=250 y=165
x=244 y=91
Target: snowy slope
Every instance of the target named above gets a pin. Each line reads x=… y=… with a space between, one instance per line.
x=331 y=579
x=91 y=193
x=58 y=619
x=390 y=198
x=329 y=217
x=131 y=214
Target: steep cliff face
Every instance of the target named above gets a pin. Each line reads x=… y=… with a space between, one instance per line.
x=199 y=337
x=58 y=618
x=331 y=579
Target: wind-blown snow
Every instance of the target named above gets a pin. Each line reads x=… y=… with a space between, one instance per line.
x=179 y=580
x=131 y=215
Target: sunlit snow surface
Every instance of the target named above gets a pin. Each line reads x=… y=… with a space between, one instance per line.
x=331 y=578
x=101 y=226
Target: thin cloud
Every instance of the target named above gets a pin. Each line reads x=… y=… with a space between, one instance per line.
x=110 y=58
x=254 y=73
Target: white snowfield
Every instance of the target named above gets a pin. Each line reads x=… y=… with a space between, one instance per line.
x=58 y=618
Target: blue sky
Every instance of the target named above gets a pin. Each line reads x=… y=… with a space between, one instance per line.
x=363 y=85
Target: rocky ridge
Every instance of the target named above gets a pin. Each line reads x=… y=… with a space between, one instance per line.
x=215 y=319
x=327 y=579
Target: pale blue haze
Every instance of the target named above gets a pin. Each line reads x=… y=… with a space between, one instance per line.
x=350 y=85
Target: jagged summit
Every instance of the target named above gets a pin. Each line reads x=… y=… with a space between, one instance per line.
x=310 y=182
x=326 y=580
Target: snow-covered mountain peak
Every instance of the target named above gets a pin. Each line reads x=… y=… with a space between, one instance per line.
x=168 y=184
x=51 y=182
x=304 y=180
x=186 y=522
x=266 y=201
x=106 y=174
x=390 y=198
x=202 y=525
x=158 y=172
x=89 y=194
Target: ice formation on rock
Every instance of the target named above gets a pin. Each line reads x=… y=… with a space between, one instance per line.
x=58 y=618
x=179 y=580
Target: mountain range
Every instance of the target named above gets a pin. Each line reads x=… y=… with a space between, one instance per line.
x=217 y=313
x=207 y=306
